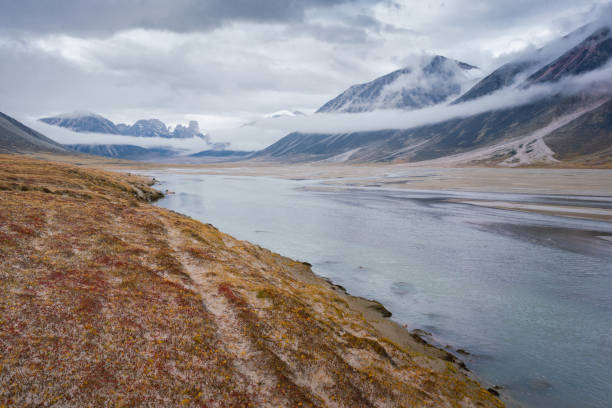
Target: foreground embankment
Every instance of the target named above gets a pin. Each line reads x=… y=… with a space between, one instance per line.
x=108 y=300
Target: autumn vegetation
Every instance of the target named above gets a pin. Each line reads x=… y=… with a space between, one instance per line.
x=107 y=300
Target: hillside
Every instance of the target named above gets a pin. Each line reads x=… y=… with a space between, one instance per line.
x=440 y=140
x=16 y=137
x=108 y=300
x=513 y=136
x=587 y=138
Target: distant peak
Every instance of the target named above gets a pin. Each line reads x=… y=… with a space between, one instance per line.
x=438 y=62
x=79 y=114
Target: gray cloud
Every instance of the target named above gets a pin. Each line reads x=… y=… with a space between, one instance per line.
x=595 y=82
x=106 y=16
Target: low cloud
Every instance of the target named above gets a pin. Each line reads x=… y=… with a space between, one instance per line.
x=107 y=16
x=595 y=82
x=66 y=136
x=266 y=131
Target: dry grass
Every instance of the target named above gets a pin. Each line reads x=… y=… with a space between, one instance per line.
x=110 y=301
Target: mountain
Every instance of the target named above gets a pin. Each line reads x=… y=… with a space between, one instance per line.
x=587 y=138
x=127 y=152
x=93 y=123
x=218 y=156
x=222 y=153
x=428 y=142
x=83 y=122
x=557 y=127
x=146 y=128
x=590 y=54
x=15 y=137
x=275 y=115
x=284 y=113
x=502 y=77
x=433 y=81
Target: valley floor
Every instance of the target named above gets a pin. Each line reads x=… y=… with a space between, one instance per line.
x=108 y=300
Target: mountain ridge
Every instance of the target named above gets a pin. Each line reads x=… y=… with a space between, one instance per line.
x=87 y=122
x=407 y=88
x=486 y=129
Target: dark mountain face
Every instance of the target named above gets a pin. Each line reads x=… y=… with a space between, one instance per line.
x=498 y=79
x=406 y=88
x=15 y=137
x=91 y=123
x=187 y=131
x=83 y=123
x=222 y=153
x=424 y=142
x=589 y=55
x=147 y=128
x=128 y=152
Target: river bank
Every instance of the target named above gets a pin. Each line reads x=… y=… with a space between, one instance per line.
x=112 y=300
x=524 y=293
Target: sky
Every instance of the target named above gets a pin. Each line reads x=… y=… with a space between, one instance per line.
x=226 y=63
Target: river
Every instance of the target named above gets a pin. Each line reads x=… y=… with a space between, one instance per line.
x=529 y=296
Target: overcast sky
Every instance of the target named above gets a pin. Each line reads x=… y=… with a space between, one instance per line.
x=226 y=62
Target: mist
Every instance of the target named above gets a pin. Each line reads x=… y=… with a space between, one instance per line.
x=595 y=82
x=66 y=136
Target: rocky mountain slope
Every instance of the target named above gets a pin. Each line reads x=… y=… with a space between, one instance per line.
x=589 y=55
x=110 y=301
x=17 y=137
x=487 y=130
x=433 y=81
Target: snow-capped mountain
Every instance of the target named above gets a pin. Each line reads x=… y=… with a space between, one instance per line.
x=83 y=122
x=572 y=54
x=87 y=122
x=146 y=128
x=275 y=115
x=284 y=113
x=569 y=124
x=431 y=81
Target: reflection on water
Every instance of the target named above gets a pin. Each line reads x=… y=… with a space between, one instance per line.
x=533 y=310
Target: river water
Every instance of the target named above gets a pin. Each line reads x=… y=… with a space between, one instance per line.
x=529 y=296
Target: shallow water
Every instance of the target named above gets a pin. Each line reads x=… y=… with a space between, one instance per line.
x=528 y=295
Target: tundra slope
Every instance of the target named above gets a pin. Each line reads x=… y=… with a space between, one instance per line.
x=108 y=300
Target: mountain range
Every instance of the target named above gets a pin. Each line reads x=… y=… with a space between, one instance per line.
x=87 y=122
x=558 y=126
x=569 y=123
